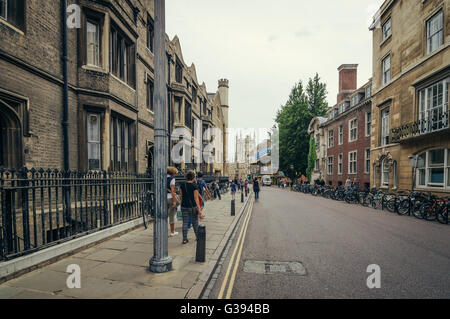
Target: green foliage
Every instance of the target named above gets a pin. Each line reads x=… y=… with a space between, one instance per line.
x=293 y=120
x=312 y=157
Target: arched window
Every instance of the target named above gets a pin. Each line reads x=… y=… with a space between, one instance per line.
x=433 y=169
x=384 y=174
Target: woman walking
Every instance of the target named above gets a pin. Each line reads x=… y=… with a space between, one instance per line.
x=190 y=204
x=256 y=188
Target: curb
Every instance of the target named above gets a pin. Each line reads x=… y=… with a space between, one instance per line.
x=205 y=277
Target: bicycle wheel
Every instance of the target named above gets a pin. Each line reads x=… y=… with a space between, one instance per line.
x=403 y=208
x=367 y=200
x=442 y=215
x=416 y=211
x=428 y=212
x=390 y=205
x=377 y=203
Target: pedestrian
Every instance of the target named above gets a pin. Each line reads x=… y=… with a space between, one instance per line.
x=233 y=189
x=172 y=200
x=190 y=205
x=203 y=188
x=256 y=188
x=217 y=190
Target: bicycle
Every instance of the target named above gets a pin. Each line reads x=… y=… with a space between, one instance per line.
x=148 y=208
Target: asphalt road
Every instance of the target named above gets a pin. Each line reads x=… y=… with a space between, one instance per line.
x=336 y=242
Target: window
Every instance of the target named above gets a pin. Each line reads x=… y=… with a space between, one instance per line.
x=386 y=70
x=122 y=56
x=341 y=134
x=93 y=43
x=317 y=165
x=385 y=126
x=187 y=114
x=435 y=32
x=368 y=123
x=387 y=29
x=330 y=138
x=433 y=169
x=433 y=107
x=352 y=162
x=353 y=130
x=94 y=144
x=150 y=92
x=367 y=161
x=341 y=108
x=4 y=9
x=179 y=72
x=355 y=100
x=340 y=159
x=13 y=11
x=330 y=165
x=384 y=174
x=368 y=91
x=150 y=33
x=120 y=144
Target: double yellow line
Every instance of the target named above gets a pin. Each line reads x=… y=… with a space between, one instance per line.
x=239 y=247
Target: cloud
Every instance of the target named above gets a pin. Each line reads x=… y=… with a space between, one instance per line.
x=273 y=37
x=303 y=33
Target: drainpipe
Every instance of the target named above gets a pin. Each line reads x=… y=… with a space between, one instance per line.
x=66 y=88
x=65 y=122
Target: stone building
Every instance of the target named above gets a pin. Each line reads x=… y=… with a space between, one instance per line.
x=347 y=132
x=110 y=87
x=411 y=79
x=317 y=131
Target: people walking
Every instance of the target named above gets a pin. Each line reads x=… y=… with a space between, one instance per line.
x=216 y=189
x=171 y=199
x=190 y=205
x=233 y=189
x=256 y=188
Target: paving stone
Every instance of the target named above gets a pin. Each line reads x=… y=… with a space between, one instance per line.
x=103 y=255
x=95 y=288
x=120 y=272
x=145 y=292
x=115 y=245
x=132 y=258
x=27 y=294
x=43 y=280
x=85 y=264
x=8 y=292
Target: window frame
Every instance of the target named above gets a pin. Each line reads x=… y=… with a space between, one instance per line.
x=352 y=162
x=5 y=9
x=427 y=168
x=385 y=36
x=384 y=183
x=150 y=34
x=122 y=56
x=98 y=57
x=367 y=154
x=350 y=129
x=330 y=165
x=382 y=123
x=330 y=138
x=150 y=94
x=14 y=17
x=341 y=134
x=386 y=79
x=427 y=110
x=98 y=142
x=340 y=164
x=368 y=124
x=439 y=33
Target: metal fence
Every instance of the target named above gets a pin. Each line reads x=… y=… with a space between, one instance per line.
x=41 y=208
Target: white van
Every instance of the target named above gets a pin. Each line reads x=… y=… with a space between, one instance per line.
x=266 y=180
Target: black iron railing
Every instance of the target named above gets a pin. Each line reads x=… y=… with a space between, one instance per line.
x=420 y=127
x=40 y=208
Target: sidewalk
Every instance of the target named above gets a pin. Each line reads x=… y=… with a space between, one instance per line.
x=118 y=268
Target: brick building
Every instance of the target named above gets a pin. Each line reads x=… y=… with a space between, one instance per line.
x=411 y=78
x=110 y=87
x=347 y=132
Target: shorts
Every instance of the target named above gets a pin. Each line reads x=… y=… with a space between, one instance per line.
x=171 y=211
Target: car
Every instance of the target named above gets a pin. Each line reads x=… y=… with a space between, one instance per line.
x=266 y=181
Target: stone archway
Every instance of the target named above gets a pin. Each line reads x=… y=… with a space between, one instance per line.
x=11 y=137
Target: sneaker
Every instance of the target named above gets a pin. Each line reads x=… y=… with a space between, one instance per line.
x=174 y=234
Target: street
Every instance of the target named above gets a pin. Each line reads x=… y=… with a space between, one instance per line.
x=335 y=243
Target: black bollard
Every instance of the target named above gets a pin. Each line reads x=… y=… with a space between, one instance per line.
x=201 y=245
x=233 y=207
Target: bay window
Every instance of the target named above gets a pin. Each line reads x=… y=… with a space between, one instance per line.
x=120 y=144
x=433 y=107
x=433 y=169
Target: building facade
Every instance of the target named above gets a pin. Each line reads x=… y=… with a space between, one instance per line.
x=317 y=131
x=411 y=79
x=110 y=88
x=347 y=132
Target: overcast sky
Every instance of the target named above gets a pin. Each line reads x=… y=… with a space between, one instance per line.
x=264 y=47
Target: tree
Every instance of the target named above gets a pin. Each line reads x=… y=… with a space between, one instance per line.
x=312 y=157
x=293 y=120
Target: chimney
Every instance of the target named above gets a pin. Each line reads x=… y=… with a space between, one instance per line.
x=347 y=80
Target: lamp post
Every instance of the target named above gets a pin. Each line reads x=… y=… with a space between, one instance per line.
x=160 y=262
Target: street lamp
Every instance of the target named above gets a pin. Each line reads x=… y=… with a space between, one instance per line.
x=160 y=262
